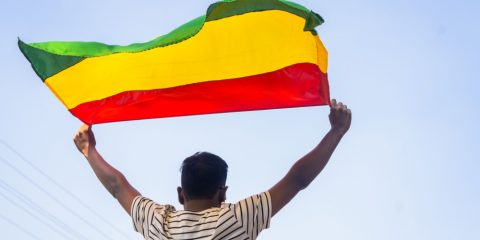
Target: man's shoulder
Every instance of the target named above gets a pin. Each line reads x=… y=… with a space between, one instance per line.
x=147 y=204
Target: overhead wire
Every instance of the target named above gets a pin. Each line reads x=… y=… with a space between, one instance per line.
x=60 y=203
x=35 y=216
x=64 y=189
x=28 y=202
x=19 y=227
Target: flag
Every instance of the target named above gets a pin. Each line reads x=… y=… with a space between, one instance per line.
x=242 y=55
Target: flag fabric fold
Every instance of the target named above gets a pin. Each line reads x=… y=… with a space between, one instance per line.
x=242 y=55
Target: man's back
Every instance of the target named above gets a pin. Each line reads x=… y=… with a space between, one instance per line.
x=242 y=220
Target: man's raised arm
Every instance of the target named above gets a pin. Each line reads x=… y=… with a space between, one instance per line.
x=111 y=178
x=308 y=167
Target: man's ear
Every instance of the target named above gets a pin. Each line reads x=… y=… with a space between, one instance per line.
x=222 y=194
x=181 y=197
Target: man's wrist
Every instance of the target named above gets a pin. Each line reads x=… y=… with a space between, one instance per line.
x=89 y=152
x=338 y=131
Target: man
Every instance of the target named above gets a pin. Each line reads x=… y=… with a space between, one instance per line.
x=202 y=191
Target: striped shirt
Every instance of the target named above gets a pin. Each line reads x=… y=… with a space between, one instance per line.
x=242 y=220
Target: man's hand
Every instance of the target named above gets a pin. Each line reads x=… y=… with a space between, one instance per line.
x=85 y=140
x=340 y=116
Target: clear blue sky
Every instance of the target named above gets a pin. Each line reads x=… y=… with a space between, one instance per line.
x=408 y=169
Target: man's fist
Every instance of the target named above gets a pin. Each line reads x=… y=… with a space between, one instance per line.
x=340 y=116
x=85 y=140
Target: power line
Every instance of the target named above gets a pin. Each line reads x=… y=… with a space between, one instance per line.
x=55 y=199
x=40 y=210
x=34 y=216
x=19 y=227
x=68 y=192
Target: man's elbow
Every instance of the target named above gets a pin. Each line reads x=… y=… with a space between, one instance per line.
x=117 y=184
x=302 y=182
x=298 y=181
x=300 y=177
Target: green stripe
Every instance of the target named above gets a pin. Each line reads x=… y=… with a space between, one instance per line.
x=96 y=49
x=46 y=64
x=49 y=58
x=228 y=8
x=219 y=10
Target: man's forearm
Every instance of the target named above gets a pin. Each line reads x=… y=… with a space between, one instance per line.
x=309 y=166
x=110 y=177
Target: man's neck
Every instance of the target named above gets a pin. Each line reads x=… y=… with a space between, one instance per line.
x=197 y=205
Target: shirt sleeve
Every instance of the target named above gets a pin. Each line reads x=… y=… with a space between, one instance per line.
x=142 y=213
x=254 y=213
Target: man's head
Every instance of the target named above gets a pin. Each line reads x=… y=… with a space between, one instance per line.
x=203 y=177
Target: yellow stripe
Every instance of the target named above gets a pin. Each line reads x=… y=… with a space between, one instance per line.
x=239 y=46
x=322 y=56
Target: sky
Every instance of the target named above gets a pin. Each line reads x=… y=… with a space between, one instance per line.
x=407 y=169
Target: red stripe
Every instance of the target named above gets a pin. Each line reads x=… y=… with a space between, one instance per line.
x=294 y=86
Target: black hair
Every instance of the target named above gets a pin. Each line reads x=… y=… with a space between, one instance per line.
x=203 y=174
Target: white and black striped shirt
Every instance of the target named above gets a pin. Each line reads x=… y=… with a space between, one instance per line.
x=242 y=220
